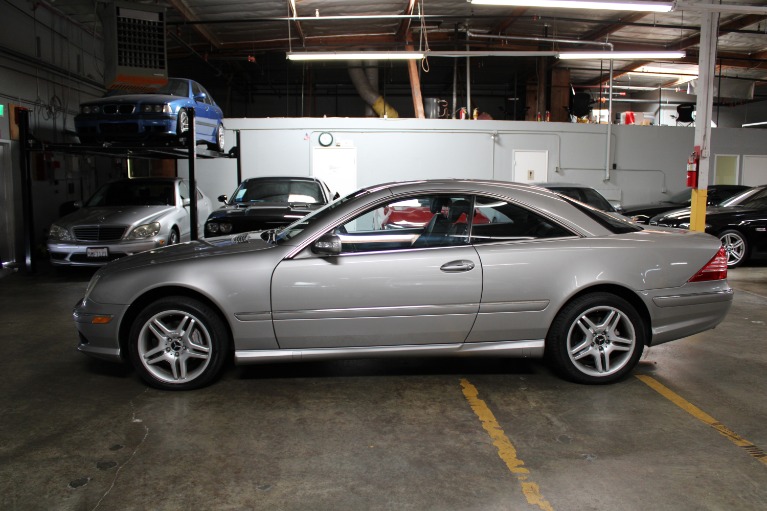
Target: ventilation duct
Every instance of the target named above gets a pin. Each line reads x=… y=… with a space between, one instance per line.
x=134 y=46
x=729 y=88
x=369 y=92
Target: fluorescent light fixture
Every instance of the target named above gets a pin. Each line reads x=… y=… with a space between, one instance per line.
x=620 y=55
x=579 y=4
x=753 y=124
x=356 y=55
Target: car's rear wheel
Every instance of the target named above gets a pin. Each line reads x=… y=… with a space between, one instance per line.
x=736 y=246
x=220 y=140
x=178 y=343
x=596 y=338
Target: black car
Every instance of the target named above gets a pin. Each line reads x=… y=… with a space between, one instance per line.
x=263 y=203
x=741 y=224
x=717 y=194
x=582 y=193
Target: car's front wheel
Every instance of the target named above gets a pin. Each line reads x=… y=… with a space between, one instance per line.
x=178 y=343
x=182 y=125
x=596 y=338
x=736 y=246
x=173 y=237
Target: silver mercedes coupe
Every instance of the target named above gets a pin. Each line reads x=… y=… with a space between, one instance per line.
x=491 y=269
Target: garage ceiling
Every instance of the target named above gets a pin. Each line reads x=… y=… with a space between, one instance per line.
x=244 y=39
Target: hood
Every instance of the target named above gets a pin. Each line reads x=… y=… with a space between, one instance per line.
x=114 y=215
x=209 y=247
x=265 y=209
x=649 y=205
x=683 y=215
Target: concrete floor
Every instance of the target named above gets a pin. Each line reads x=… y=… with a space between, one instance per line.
x=79 y=434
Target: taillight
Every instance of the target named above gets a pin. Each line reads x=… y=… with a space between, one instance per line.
x=715 y=269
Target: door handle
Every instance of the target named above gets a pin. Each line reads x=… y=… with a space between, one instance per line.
x=457 y=266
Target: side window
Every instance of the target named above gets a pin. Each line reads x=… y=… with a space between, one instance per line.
x=183 y=190
x=196 y=89
x=415 y=222
x=509 y=222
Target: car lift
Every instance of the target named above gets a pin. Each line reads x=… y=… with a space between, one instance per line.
x=187 y=149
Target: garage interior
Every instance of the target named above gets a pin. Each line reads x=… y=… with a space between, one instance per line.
x=685 y=431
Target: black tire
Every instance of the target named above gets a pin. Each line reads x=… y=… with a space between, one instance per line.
x=178 y=343
x=173 y=237
x=220 y=140
x=736 y=246
x=182 y=125
x=597 y=338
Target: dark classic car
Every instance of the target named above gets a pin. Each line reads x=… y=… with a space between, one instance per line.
x=159 y=115
x=740 y=223
x=267 y=202
x=642 y=213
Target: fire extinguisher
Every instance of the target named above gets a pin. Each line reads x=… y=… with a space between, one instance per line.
x=692 y=170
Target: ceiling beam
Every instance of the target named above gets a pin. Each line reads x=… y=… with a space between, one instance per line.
x=404 y=27
x=296 y=23
x=724 y=28
x=613 y=26
x=504 y=25
x=188 y=15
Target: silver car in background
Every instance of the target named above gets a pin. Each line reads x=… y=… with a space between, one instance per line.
x=126 y=217
x=498 y=269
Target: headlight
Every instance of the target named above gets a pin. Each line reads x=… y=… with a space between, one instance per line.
x=90 y=109
x=223 y=227
x=156 y=109
x=145 y=231
x=59 y=233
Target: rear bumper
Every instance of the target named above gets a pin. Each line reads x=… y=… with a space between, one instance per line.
x=681 y=315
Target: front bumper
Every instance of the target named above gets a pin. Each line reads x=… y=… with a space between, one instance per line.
x=90 y=253
x=111 y=127
x=99 y=339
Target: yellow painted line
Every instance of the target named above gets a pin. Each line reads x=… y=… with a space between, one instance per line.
x=702 y=416
x=506 y=450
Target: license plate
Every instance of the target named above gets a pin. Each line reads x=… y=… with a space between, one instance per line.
x=97 y=252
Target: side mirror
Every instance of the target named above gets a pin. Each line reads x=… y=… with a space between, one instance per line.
x=222 y=198
x=200 y=98
x=186 y=202
x=328 y=245
x=337 y=196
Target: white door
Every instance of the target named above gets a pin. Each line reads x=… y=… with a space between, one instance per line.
x=726 y=169
x=530 y=166
x=754 y=170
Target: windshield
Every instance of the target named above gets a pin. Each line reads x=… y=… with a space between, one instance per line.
x=740 y=198
x=682 y=197
x=757 y=200
x=278 y=190
x=298 y=226
x=174 y=87
x=134 y=193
